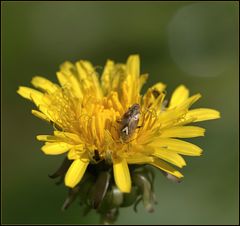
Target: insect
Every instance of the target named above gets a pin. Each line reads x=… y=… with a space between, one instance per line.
x=129 y=122
x=156 y=93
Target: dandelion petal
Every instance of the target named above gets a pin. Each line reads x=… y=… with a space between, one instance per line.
x=183 y=132
x=166 y=167
x=203 y=114
x=55 y=148
x=122 y=175
x=180 y=94
x=75 y=172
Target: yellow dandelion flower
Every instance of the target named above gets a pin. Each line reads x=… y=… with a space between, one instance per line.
x=107 y=119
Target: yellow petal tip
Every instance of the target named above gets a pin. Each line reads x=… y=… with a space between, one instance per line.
x=122 y=175
x=75 y=173
x=38 y=137
x=68 y=184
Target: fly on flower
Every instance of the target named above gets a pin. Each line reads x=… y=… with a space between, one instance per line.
x=86 y=105
x=129 y=122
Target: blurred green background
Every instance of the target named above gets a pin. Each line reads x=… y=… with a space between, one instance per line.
x=192 y=43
